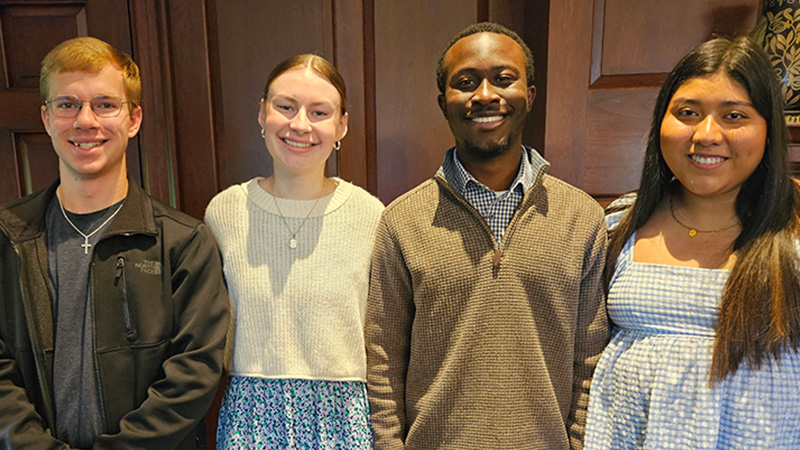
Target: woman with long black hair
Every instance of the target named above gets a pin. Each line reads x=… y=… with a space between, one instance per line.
x=702 y=270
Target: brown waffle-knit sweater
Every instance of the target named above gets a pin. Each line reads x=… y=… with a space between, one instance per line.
x=463 y=354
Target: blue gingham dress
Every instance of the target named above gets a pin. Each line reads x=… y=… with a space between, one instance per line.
x=651 y=387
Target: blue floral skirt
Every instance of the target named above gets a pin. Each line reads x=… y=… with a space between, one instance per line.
x=260 y=413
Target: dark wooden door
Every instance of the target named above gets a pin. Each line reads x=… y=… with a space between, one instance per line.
x=29 y=30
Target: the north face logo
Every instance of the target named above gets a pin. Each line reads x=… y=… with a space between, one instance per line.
x=149 y=267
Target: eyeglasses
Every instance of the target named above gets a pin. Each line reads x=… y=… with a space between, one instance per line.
x=68 y=106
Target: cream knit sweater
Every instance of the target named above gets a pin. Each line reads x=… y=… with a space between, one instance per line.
x=299 y=311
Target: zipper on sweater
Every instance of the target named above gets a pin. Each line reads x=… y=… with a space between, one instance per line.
x=497 y=254
x=120 y=280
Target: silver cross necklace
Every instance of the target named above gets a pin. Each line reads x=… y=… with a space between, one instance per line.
x=86 y=245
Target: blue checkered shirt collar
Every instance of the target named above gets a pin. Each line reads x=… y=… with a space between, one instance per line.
x=497 y=209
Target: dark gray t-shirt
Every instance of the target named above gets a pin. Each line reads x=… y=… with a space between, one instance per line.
x=79 y=418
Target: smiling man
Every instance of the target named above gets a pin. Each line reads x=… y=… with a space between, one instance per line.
x=485 y=316
x=114 y=311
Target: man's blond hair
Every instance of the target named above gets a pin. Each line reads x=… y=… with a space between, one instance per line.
x=90 y=55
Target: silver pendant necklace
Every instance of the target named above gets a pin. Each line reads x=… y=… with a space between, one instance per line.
x=293 y=239
x=86 y=245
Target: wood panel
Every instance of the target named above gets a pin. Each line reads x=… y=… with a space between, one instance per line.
x=568 y=49
x=37 y=162
x=536 y=17
x=509 y=13
x=57 y=23
x=650 y=36
x=641 y=43
x=194 y=150
x=149 y=26
x=617 y=126
x=352 y=22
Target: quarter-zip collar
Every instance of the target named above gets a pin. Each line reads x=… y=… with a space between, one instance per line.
x=454 y=172
x=538 y=167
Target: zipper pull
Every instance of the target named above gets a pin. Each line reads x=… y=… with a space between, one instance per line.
x=496 y=257
x=120 y=267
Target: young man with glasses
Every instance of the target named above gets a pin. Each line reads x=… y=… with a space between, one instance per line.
x=114 y=311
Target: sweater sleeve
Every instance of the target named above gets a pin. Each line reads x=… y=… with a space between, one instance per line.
x=591 y=333
x=390 y=312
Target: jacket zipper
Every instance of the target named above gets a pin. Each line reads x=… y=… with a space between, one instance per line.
x=122 y=283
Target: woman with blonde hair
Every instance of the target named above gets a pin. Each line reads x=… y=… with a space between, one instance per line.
x=296 y=250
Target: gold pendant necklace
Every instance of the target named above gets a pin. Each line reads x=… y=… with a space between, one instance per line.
x=693 y=231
